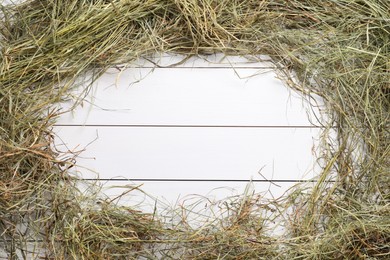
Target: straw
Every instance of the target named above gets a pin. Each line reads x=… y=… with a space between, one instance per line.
x=337 y=49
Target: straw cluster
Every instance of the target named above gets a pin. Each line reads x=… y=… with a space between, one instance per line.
x=337 y=49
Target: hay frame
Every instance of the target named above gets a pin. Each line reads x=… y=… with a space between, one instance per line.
x=337 y=49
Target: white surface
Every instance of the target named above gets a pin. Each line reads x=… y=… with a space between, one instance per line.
x=199 y=121
x=186 y=192
x=193 y=153
x=191 y=96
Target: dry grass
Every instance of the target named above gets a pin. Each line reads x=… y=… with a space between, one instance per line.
x=338 y=49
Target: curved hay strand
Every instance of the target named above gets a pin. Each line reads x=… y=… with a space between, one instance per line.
x=338 y=49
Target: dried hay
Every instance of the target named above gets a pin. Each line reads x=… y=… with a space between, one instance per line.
x=338 y=49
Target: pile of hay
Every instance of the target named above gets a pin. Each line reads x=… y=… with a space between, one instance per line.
x=338 y=49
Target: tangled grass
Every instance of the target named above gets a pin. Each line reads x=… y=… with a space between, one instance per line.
x=337 y=49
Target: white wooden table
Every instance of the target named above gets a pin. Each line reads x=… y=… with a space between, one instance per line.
x=202 y=127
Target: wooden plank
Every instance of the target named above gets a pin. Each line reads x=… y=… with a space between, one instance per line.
x=192 y=153
x=196 y=202
x=177 y=193
x=191 y=97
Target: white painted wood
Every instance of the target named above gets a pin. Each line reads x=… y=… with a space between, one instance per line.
x=8 y=2
x=131 y=131
x=196 y=202
x=193 y=153
x=191 y=96
x=145 y=194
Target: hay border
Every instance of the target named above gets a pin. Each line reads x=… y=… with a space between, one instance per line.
x=338 y=49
